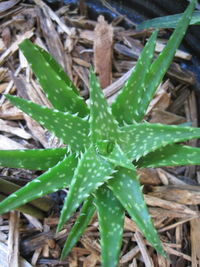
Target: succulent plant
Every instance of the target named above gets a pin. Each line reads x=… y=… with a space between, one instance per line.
x=103 y=146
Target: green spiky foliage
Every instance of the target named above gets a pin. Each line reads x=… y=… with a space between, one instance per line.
x=104 y=145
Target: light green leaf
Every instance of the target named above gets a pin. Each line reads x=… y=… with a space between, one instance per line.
x=81 y=223
x=111 y=222
x=140 y=139
x=41 y=159
x=171 y=155
x=126 y=187
x=118 y=158
x=103 y=124
x=91 y=172
x=125 y=107
x=54 y=179
x=170 y=21
x=57 y=86
x=71 y=129
x=163 y=61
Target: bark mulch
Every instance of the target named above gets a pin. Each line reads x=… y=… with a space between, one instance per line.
x=76 y=42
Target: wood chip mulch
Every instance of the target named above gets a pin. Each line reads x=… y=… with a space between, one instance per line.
x=76 y=42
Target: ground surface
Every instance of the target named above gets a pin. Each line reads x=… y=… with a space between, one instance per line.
x=173 y=194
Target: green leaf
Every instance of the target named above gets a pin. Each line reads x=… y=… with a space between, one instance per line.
x=163 y=61
x=55 y=178
x=171 y=155
x=111 y=222
x=28 y=209
x=140 y=139
x=81 y=223
x=57 y=86
x=125 y=107
x=170 y=21
x=126 y=187
x=91 y=172
x=54 y=65
x=103 y=124
x=71 y=129
x=41 y=159
x=118 y=158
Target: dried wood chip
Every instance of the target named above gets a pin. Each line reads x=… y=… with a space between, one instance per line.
x=4 y=256
x=9 y=144
x=5 y=5
x=51 y=36
x=5 y=127
x=161 y=98
x=148 y=176
x=103 y=51
x=165 y=117
x=145 y=254
x=14 y=47
x=168 y=178
x=90 y=260
x=34 y=221
x=13 y=239
x=10 y=113
x=36 y=255
x=157 y=202
x=172 y=251
x=53 y=16
x=183 y=194
x=179 y=53
x=195 y=241
x=129 y=255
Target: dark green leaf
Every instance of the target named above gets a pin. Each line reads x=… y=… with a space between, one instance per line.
x=41 y=159
x=57 y=86
x=140 y=139
x=163 y=61
x=81 y=223
x=91 y=172
x=126 y=187
x=54 y=179
x=103 y=124
x=171 y=155
x=170 y=21
x=111 y=222
x=71 y=129
x=126 y=106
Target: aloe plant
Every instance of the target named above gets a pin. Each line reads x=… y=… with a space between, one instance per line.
x=168 y=21
x=103 y=146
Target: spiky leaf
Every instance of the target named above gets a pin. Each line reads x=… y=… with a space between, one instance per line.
x=91 y=172
x=78 y=228
x=126 y=187
x=125 y=107
x=171 y=155
x=140 y=139
x=54 y=179
x=153 y=75
x=111 y=222
x=170 y=21
x=71 y=129
x=103 y=124
x=55 y=83
x=118 y=158
x=163 y=61
x=41 y=159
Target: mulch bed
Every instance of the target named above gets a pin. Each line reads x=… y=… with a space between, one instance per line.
x=76 y=42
